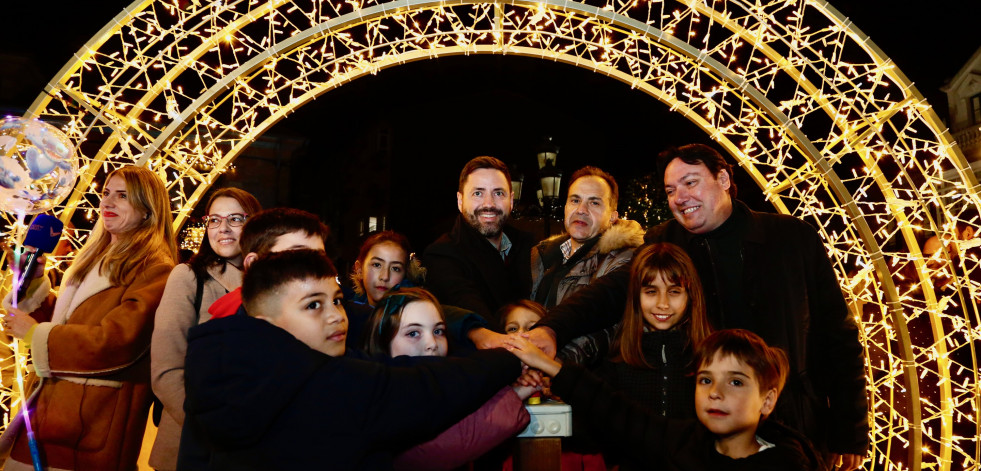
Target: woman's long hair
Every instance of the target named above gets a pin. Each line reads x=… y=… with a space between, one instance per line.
x=674 y=265
x=206 y=256
x=387 y=318
x=153 y=239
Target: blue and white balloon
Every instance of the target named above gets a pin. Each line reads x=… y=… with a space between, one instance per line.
x=38 y=166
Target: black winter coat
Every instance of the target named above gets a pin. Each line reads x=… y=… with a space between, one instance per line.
x=791 y=287
x=668 y=388
x=648 y=441
x=465 y=270
x=259 y=399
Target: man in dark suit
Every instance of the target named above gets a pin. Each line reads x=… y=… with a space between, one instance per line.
x=763 y=272
x=482 y=264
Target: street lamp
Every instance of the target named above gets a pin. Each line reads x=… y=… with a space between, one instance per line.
x=550 y=177
x=517 y=182
x=547 y=152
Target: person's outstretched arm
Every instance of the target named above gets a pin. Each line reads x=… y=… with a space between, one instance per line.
x=593 y=308
x=500 y=418
x=421 y=397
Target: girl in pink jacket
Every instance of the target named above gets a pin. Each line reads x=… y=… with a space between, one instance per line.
x=409 y=321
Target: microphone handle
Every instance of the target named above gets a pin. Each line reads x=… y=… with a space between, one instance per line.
x=26 y=276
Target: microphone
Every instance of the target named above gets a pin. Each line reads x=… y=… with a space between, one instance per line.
x=42 y=237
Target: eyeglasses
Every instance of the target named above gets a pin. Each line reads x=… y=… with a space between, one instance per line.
x=234 y=220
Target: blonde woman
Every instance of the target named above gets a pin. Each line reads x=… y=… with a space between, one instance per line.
x=90 y=347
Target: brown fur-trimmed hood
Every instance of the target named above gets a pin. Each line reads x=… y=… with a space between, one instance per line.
x=623 y=234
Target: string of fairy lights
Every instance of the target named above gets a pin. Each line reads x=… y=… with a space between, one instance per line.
x=810 y=108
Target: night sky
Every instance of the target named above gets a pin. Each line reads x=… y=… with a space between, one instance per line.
x=929 y=45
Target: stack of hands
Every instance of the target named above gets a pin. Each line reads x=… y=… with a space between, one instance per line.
x=536 y=348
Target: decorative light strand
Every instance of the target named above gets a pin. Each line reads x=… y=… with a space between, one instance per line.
x=819 y=118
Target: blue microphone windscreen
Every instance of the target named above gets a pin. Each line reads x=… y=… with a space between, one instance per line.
x=44 y=233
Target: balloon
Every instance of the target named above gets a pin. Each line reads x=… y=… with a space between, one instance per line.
x=38 y=166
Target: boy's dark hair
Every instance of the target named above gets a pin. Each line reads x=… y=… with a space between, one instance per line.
x=261 y=231
x=611 y=182
x=769 y=363
x=484 y=161
x=387 y=318
x=695 y=154
x=206 y=256
x=276 y=269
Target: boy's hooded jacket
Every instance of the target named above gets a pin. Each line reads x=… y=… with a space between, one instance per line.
x=257 y=398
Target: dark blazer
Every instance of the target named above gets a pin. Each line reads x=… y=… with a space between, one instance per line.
x=258 y=398
x=791 y=287
x=466 y=271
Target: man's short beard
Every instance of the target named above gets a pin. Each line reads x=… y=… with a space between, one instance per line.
x=488 y=231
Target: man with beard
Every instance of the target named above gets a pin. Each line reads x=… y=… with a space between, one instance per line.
x=766 y=273
x=481 y=264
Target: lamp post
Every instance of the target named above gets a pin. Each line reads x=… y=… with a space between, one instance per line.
x=550 y=177
x=517 y=182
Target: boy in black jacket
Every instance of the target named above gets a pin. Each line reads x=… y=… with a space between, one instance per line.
x=272 y=388
x=738 y=381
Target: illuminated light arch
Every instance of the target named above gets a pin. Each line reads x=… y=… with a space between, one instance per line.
x=805 y=103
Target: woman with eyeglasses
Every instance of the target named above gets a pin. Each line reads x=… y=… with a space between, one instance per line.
x=211 y=273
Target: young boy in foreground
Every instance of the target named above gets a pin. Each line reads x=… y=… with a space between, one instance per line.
x=270 y=387
x=738 y=381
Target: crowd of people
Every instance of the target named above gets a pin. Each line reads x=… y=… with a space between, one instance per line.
x=718 y=340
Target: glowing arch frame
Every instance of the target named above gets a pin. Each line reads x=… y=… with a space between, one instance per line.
x=813 y=111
